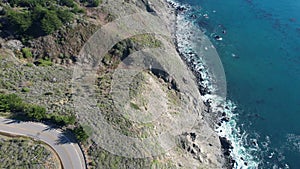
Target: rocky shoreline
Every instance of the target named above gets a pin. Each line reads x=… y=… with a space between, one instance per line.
x=217 y=120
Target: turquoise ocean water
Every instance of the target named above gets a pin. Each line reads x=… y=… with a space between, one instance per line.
x=260 y=52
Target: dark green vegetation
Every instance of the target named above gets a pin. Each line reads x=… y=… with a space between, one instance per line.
x=126 y=47
x=80 y=133
x=91 y=3
x=22 y=152
x=26 y=53
x=29 y=112
x=25 y=111
x=33 y=18
x=43 y=62
x=39 y=96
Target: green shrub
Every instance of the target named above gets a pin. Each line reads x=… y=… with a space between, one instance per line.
x=64 y=15
x=63 y=120
x=25 y=90
x=70 y=120
x=37 y=18
x=50 y=22
x=68 y=3
x=80 y=134
x=29 y=64
x=95 y=3
x=43 y=62
x=11 y=102
x=35 y=112
x=20 y=110
x=19 y=21
x=24 y=3
x=26 y=53
x=14 y=104
x=78 y=9
x=91 y=3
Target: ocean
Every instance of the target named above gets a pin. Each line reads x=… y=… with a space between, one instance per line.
x=258 y=43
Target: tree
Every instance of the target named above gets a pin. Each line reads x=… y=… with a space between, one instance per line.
x=22 y=3
x=68 y=3
x=71 y=119
x=25 y=111
x=50 y=22
x=20 y=21
x=64 y=15
x=37 y=17
x=35 y=112
x=11 y=102
x=80 y=134
x=4 y=104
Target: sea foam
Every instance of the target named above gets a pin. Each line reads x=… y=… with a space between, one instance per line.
x=185 y=35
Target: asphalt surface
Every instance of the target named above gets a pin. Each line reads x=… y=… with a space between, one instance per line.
x=69 y=153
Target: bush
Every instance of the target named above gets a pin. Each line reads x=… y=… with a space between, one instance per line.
x=68 y=3
x=23 y=3
x=43 y=62
x=25 y=90
x=29 y=64
x=95 y=3
x=14 y=104
x=50 y=22
x=91 y=3
x=26 y=53
x=63 y=120
x=64 y=15
x=19 y=21
x=11 y=102
x=35 y=112
x=70 y=120
x=80 y=134
x=38 y=18
x=78 y=9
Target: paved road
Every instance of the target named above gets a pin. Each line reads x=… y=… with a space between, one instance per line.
x=69 y=153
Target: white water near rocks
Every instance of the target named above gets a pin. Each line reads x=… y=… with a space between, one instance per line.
x=186 y=33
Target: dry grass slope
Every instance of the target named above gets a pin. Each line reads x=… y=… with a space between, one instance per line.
x=22 y=152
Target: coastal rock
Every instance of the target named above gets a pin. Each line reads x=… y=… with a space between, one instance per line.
x=181 y=8
x=225 y=119
x=226 y=148
x=203 y=145
x=226 y=144
x=13 y=45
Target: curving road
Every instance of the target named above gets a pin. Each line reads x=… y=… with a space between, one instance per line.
x=69 y=153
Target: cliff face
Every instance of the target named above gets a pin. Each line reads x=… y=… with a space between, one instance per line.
x=125 y=46
x=164 y=94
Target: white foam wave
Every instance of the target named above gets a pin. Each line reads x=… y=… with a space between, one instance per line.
x=228 y=129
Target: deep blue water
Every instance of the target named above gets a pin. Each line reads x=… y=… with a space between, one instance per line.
x=260 y=52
